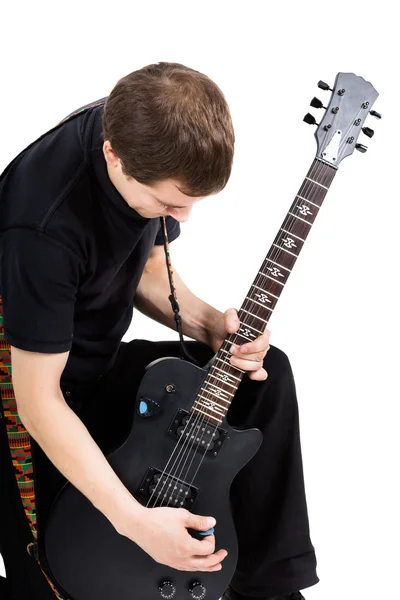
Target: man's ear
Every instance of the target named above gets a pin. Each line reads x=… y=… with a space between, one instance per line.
x=109 y=154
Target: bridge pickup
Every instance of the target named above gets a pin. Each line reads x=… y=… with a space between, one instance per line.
x=166 y=490
x=205 y=437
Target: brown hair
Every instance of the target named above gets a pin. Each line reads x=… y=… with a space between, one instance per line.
x=169 y=121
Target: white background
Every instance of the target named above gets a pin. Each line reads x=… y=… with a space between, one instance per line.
x=338 y=316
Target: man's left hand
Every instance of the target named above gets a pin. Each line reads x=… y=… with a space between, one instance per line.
x=248 y=356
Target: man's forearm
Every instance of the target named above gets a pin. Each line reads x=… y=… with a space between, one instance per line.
x=152 y=300
x=70 y=447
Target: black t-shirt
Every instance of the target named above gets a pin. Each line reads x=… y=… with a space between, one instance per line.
x=72 y=251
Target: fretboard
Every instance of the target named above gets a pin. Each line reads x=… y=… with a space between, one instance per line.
x=223 y=379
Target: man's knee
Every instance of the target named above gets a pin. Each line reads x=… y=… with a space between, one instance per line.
x=277 y=361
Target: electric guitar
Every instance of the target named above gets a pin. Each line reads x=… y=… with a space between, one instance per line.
x=181 y=452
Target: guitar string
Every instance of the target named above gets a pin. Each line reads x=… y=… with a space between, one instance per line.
x=314 y=172
x=317 y=172
x=319 y=167
x=196 y=426
x=314 y=175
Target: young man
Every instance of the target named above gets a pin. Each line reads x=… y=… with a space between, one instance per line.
x=80 y=246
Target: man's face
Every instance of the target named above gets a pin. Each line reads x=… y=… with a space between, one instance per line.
x=159 y=200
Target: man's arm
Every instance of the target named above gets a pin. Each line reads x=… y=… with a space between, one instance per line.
x=63 y=437
x=151 y=299
x=199 y=320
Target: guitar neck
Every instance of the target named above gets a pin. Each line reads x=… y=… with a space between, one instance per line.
x=223 y=379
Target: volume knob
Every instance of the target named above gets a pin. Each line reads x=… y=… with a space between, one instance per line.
x=167 y=590
x=197 y=590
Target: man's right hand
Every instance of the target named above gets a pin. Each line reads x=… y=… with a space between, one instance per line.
x=162 y=533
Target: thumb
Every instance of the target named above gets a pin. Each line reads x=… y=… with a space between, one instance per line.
x=199 y=522
x=231 y=320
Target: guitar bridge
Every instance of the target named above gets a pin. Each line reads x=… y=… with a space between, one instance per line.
x=204 y=436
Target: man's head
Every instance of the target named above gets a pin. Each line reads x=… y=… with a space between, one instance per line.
x=168 y=139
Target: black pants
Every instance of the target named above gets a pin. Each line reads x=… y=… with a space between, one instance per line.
x=276 y=555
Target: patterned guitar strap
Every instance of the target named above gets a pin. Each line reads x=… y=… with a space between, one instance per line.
x=19 y=440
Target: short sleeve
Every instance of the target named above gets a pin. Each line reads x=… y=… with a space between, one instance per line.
x=39 y=280
x=173 y=231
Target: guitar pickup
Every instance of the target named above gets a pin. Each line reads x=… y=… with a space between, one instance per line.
x=163 y=489
x=204 y=436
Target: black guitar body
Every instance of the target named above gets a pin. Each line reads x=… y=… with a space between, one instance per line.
x=90 y=560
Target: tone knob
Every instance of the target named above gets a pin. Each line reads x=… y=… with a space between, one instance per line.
x=197 y=590
x=167 y=590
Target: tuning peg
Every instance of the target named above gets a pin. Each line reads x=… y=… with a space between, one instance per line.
x=375 y=114
x=368 y=131
x=361 y=148
x=310 y=119
x=324 y=86
x=316 y=103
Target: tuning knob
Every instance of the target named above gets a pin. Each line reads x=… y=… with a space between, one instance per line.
x=324 y=86
x=316 y=103
x=375 y=114
x=361 y=148
x=197 y=590
x=310 y=119
x=167 y=590
x=368 y=131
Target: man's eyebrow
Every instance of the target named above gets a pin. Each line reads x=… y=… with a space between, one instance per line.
x=169 y=205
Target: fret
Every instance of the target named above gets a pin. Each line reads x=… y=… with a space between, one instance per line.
x=210 y=406
x=251 y=327
x=225 y=373
x=293 y=234
x=286 y=259
x=218 y=390
x=262 y=289
x=221 y=380
x=312 y=193
x=285 y=250
x=288 y=243
x=300 y=219
x=262 y=305
x=306 y=200
x=249 y=337
x=275 y=263
x=212 y=394
x=275 y=273
x=214 y=402
x=317 y=183
x=274 y=281
x=209 y=417
x=253 y=315
x=305 y=211
x=323 y=175
x=228 y=363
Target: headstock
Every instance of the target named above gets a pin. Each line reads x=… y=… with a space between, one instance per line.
x=351 y=102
